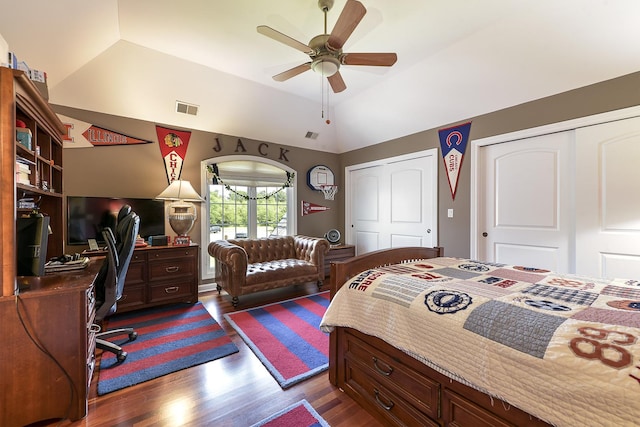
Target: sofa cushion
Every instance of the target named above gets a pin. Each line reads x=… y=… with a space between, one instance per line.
x=267 y=249
x=277 y=270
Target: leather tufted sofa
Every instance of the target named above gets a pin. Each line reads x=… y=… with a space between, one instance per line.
x=245 y=266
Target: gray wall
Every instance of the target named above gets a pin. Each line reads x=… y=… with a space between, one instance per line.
x=454 y=233
x=138 y=171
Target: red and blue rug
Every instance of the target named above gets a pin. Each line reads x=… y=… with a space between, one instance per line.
x=300 y=414
x=170 y=338
x=286 y=337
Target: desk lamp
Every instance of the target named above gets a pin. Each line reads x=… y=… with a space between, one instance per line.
x=181 y=211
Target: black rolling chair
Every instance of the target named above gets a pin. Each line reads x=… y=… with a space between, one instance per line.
x=109 y=282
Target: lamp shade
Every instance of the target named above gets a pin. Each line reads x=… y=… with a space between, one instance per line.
x=180 y=190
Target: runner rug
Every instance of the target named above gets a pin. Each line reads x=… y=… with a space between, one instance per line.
x=170 y=338
x=286 y=337
x=299 y=414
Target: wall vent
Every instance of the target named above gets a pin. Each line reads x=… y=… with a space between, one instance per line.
x=183 y=107
x=311 y=135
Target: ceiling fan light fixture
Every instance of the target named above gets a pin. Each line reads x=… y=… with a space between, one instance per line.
x=326 y=66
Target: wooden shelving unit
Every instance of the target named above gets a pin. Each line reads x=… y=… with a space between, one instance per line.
x=21 y=100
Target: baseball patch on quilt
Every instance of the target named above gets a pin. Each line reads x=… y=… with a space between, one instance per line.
x=447 y=301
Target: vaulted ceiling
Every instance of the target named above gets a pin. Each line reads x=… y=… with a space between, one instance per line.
x=456 y=59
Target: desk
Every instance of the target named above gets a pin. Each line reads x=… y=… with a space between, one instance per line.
x=58 y=310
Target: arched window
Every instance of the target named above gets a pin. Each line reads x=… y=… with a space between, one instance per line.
x=247 y=197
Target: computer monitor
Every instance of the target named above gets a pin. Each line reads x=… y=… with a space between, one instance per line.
x=32 y=237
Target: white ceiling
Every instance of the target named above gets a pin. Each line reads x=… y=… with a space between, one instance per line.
x=456 y=59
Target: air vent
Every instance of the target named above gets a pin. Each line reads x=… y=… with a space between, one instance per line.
x=184 y=108
x=311 y=135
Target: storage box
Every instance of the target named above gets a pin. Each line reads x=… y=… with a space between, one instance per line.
x=23 y=136
x=158 y=240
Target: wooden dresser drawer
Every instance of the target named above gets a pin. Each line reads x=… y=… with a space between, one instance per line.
x=384 y=400
x=132 y=297
x=175 y=268
x=136 y=273
x=173 y=253
x=171 y=291
x=410 y=385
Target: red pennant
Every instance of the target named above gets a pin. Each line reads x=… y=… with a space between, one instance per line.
x=173 y=146
x=309 y=208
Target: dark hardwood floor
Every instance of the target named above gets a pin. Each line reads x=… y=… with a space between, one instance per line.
x=233 y=391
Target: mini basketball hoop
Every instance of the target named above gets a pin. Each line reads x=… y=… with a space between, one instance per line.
x=329 y=191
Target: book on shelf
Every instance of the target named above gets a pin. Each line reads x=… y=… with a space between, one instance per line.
x=20 y=159
x=23 y=167
x=23 y=178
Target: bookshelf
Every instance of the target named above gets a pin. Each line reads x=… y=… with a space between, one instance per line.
x=40 y=163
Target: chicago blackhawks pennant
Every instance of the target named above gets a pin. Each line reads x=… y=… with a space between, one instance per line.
x=453 y=142
x=173 y=146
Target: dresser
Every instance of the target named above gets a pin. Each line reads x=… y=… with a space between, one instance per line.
x=160 y=275
x=47 y=347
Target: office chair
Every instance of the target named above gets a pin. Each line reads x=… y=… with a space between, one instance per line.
x=109 y=282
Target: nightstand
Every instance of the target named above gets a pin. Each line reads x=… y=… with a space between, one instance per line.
x=337 y=253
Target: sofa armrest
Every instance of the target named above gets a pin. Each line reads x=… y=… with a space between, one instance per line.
x=312 y=249
x=231 y=265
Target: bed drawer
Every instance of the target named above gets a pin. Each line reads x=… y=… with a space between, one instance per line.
x=456 y=410
x=412 y=386
x=385 y=401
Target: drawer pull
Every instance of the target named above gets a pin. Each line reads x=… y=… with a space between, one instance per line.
x=386 y=372
x=172 y=289
x=386 y=406
x=172 y=269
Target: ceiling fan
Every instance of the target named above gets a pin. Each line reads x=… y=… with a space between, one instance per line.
x=325 y=50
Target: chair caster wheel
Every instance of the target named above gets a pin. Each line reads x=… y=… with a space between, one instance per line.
x=133 y=335
x=121 y=356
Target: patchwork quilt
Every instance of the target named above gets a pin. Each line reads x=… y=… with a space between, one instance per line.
x=564 y=348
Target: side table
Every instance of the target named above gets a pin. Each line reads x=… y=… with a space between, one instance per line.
x=337 y=253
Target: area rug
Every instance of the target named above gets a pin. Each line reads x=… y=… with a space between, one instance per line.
x=286 y=337
x=299 y=414
x=170 y=338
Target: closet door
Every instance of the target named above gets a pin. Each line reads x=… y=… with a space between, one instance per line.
x=525 y=208
x=608 y=199
x=393 y=202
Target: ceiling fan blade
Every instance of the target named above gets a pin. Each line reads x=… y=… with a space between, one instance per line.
x=286 y=75
x=348 y=20
x=374 y=59
x=336 y=82
x=283 y=38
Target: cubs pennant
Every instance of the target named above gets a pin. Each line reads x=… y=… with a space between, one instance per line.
x=173 y=146
x=453 y=142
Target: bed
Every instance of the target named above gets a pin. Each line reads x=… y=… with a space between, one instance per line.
x=418 y=338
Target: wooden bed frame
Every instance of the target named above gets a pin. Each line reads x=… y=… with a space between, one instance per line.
x=393 y=386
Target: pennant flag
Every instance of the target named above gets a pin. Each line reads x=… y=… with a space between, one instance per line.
x=309 y=208
x=453 y=142
x=173 y=146
x=82 y=134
